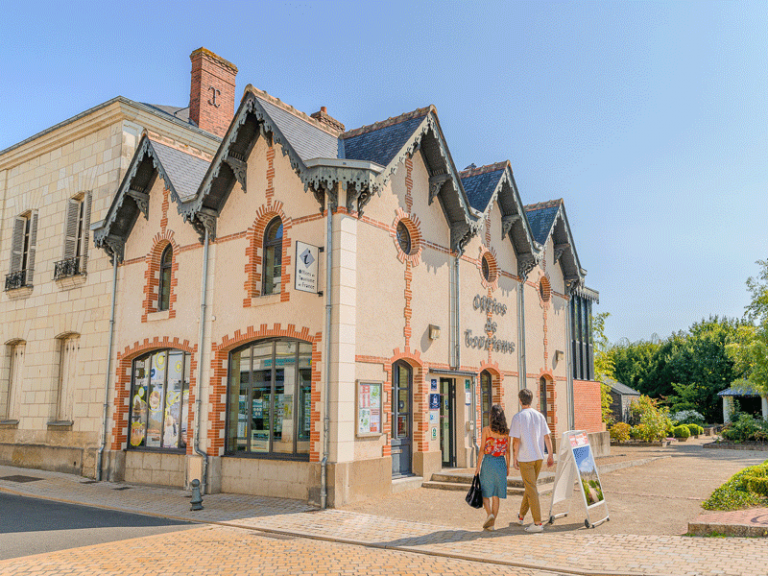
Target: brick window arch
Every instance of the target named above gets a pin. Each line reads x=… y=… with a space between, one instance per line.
x=489 y=268
x=267 y=253
x=406 y=235
x=164 y=289
x=273 y=257
x=160 y=290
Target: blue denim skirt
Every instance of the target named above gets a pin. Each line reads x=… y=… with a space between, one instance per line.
x=493 y=476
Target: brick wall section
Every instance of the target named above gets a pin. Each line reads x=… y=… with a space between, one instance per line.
x=210 y=70
x=255 y=249
x=121 y=406
x=586 y=406
x=152 y=274
x=218 y=382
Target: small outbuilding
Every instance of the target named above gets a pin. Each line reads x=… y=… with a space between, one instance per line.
x=622 y=397
x=750 y=402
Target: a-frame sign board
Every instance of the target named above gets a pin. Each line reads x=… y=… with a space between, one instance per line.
x=575 y=463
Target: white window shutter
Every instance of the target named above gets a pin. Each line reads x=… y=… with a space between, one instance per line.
x=86 y=232
x=70 y=236
x=32 y=248
x=17 y=243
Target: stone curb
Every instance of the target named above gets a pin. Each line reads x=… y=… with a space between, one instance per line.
x=608 y=468
x=349 y=541
x=740 y=530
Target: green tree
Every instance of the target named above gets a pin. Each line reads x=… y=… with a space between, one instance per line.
x=748 y=348
x=603 y=363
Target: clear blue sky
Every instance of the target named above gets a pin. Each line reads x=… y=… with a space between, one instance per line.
x=649 y=118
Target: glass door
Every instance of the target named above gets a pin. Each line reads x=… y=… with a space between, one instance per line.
x=447 y=423
x=401 y=419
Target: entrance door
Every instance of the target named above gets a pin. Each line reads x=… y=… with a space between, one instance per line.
x=402 y=379
x=447 y=422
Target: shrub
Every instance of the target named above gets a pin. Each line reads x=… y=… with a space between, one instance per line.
x=695 y=429
x=653 y=419
x=688 y=417
x=743 y=429
x=620 y=432
x=736 y=494
x=636 y=432
x=757 y=485
x=681 y=431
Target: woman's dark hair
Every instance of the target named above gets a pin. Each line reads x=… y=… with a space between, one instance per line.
x=498 y=420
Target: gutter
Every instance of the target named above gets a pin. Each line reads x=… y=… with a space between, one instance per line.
x=201 y=348
x=105 y=412
x=569 y=362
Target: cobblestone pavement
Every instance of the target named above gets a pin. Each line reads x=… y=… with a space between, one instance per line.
x=213 y=550
x=563 y=548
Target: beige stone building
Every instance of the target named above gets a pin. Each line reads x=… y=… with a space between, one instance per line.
x=300 y=310
x=55 y=307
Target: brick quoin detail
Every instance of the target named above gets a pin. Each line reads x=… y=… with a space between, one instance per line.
x=420 y=405
x=408 y=183
x=587 y=412
x=219 y=377
x=408 y=312
x=165 y=205
x=123 y=376
x=497 y=391
x=551 y=398
x=270 y=175
x=254 y=252
x=152 y=274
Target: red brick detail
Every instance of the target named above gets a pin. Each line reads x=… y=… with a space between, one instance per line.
x=152 y=274
x=255 y=248
x=420 y=407
x=414 y=229
x=551 y=398
x=219 y=375
x=493 y=266
x=164 y=207
x=408 y=184
x=496 y=379
x=270 y=192
x=212 y=92
x=121 y=405
x=408 y=311
x=586 y=406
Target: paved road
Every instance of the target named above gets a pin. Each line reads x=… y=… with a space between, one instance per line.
x=31 y=526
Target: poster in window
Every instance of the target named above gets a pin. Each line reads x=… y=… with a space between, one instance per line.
x=306 y=425
x=368 y=408
x=172 y=419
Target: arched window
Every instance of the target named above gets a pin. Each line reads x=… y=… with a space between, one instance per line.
x=543 y=395
x=160 y=400
x=269 y=402
x=273 y=257
x=486 y=392
x=164 y=290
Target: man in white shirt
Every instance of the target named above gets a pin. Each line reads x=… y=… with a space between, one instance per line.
x=530 y=434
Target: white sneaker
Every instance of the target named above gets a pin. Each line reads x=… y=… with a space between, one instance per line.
x=520 y=521
x=534 y=528
x=488 y=525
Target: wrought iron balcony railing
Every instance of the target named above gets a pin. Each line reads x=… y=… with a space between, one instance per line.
x=66 y=268
x=16 y=280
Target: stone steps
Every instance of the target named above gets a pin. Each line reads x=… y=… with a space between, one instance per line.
x=460 y=481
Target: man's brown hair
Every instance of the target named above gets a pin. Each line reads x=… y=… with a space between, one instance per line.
x=526 y=397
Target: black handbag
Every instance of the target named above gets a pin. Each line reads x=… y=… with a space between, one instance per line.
x=475 y=495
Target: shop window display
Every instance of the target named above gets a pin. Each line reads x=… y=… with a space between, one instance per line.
x=269 y=400
x=160 y=400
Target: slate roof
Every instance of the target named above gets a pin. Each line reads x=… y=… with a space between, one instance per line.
x=381 y=142
x=185 y=171
x=307 y=139
x=622 y=389
x=541 y=217
x=737 y=391
x=175 y=111
x=481 y=183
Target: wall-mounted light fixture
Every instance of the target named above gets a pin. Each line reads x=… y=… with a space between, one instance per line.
x=559 y=355
x=434 y=332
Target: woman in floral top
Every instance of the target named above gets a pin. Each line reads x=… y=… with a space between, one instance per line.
x=493 y=464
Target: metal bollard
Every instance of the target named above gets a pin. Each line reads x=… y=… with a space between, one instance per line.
x=197 y=499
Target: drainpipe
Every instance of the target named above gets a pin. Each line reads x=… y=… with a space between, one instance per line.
x=200 y=349
x=457 y=307
x=327 y=357
x=521 y=325
x=569 y=362
x=100 y=457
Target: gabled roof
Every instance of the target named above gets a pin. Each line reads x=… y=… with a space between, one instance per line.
x=495 y=182
x=381 y=142
x=620 y=388
x=548 y=219
x=737 y=390
x=181 y=172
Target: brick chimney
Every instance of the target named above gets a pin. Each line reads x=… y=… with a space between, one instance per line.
x=212 y=96
x=323 y=117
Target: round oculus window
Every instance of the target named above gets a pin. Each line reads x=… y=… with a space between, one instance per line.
x=404 y=237
x=545 y=290
x=486 y=266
